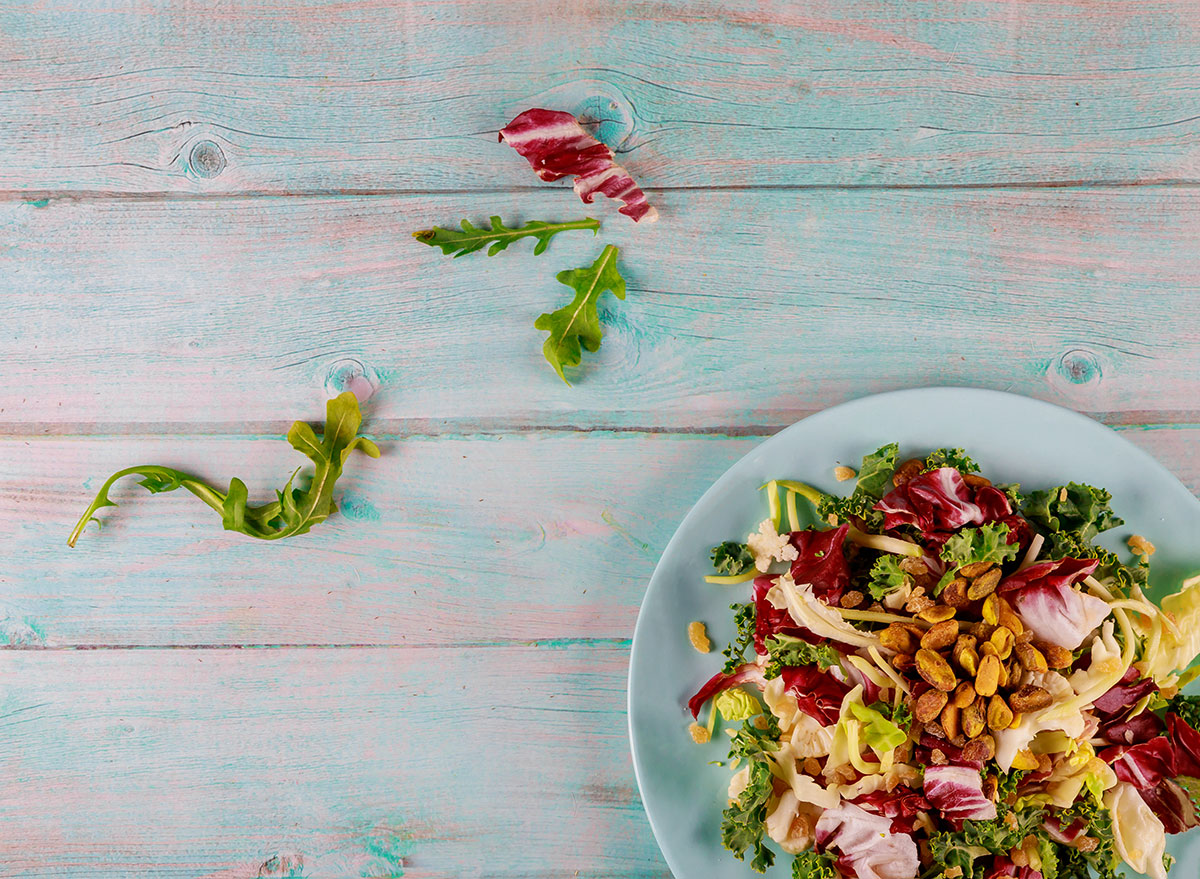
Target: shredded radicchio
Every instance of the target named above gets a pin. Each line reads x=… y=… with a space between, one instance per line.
x=957 y=792
x=901 y=805
x=1114 y=705
x=1003 y=867
x=822 y=562
x=744 y=674
x=556 y=145
x=869 y=849
x=771 y=620
x=940 y=501
x=818 y=694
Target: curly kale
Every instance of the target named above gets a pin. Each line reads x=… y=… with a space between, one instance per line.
x=873 y=478
x=956 y=458
x=732 y=558
x=786 y=651
x=744 y=617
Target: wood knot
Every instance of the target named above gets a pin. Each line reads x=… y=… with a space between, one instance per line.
x=351 y=374
x=206 y=159
x=1080 y=367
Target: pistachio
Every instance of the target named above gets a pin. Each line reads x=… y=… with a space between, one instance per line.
x=1022 y=637
x=991 y=609
x=940 y=635
x=929 y=705
x=939 y=613
x=907 y=471
x=981 y=750
x=974 y=720
x=903 y=661
x=1017 y=720
x=999 y=715
x=968 y=660
x=1030 y=698
x=984 y=585
x=965 y=694
x=988 y=677
x=951 y=717
x=955 y=593
x=975 y=569
x=975 y=480
x=1056 y=657
x=987 y=648
x=935 y=670
x=1030 y=657
x=851 y=599
x=896 y=637
x=982 y=630
x=1011 y=621
x=1003 y=639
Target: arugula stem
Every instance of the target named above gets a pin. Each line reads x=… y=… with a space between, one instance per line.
x=200 y=489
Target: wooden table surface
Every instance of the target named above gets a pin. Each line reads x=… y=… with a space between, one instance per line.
x=206 y=214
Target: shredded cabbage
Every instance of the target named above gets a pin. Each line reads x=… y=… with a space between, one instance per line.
x=735 y=704
x=1174 y=652
x=820 y=619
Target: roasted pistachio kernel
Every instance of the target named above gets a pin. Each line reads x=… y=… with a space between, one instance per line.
x=999 y=715
x=988 y=677
x=939 y=613
x=940 y=635
x=929 y=705
x=935 y=670
x=965 y=694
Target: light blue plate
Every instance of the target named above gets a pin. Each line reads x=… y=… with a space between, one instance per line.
x=1014 y=439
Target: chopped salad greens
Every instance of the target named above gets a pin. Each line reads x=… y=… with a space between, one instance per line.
x=950 y=680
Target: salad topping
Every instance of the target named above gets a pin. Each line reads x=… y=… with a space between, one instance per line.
x=955 y=681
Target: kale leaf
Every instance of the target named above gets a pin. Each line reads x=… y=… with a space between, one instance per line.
x=956 y=458
x=732 y=558
x=744 y=617
x=786 y=651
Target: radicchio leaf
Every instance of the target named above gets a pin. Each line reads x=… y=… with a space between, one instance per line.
x=745 y=674
x=1171 y=804
x=901 y=805
x=772 y=620
x=940 y=500
x=869 y=849
x=1143 y=765
x=1116 y=703
x=1044 y=596
x=557 y=146
x=957 y=792
x=818 y=694
x=1002 y=867
x=822 y=562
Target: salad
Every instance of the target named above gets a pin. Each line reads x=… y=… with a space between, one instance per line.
x=950 y=679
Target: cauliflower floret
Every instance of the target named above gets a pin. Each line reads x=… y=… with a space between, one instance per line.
x=739 y=782
x=768 y=546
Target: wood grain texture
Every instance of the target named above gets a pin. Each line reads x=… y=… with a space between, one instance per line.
x=327 y=764
x=322 y=95
x=745 y=310
x=451 y=541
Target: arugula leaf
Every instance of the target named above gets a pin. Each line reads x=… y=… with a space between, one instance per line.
x=956 y=458
x=745 y=618
x=787 y=651
x=732 y=558
x=873 y=478
x=886 y=576
x=1073 y=507
x=295 y=509
x=499 y=236
x=988 y=543
x=812 y=864
x=578 y=324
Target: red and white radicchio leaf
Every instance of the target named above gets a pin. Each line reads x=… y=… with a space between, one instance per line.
x=958 y=793
x=869 y=849
x=1049 y=605
x=743 y=674
x=821 y=561
x=818 y=694
x=940 y=501
x=557 y=146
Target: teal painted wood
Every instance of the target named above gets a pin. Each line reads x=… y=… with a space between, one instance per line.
x=449 y=542
x=321 y=95
x=745 y=310
x=326 y=764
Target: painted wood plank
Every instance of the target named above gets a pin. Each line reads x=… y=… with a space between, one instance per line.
x=745 y=311
x=323 y=95
x=325 y=764
x=543 y=537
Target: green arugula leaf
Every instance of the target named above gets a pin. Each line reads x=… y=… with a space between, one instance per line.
x=812 y=864
x=886 y=576
x=787 y=651
x=956 y=458
x=295 y=509
x=1073 y=507
x=745 y=618
x=732 y=558
x=499 y=236
x=873 y=478
x=578 y=324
